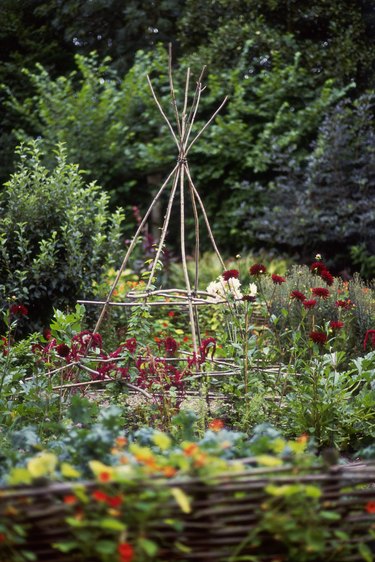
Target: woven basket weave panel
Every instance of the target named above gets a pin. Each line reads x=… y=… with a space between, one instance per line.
x=219 y=520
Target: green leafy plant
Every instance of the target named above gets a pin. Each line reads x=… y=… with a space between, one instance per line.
x=57 y=236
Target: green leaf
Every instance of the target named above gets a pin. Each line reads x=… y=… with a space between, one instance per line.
x=19 y=476
x=106 y=547
x=112 y=524
x=365 y=552
x=67 y=546
x=330 y=515
x=182 y=499
x=149 y=547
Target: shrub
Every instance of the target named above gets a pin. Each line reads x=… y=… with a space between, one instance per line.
x=56 y=235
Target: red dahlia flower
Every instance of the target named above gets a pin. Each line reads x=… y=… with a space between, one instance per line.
x=277 y=279
x=336 y=325
x=298 y=296
x=309 y=303
x=63 y=350
x=318 y=337
x=230 y=274
x=207 y=344
x=170 y=345
x=19 y=310
x=257 y=269
x=346 y=304
x=370 y=335
x=317 y=267
x=131 y=345
x=320 y=292
x=327 y=277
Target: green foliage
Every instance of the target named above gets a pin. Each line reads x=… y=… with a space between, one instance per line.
x=56 y=235
x=105 y=122
x=325 y=205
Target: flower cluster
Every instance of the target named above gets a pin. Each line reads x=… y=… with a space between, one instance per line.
x=223 y=288
x=320 y=269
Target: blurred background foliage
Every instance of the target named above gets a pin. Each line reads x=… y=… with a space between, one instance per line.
x=288 y=165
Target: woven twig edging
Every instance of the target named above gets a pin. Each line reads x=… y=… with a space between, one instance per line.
x=225 y=511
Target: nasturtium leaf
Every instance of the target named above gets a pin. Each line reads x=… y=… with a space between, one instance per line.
x=105 y=547
x=182 y=499
x=98 y=468
x=162 y=440
x=65 y=546
x=365 y=552
x=330 y=515
x=149 y=547
x=112 y=524
x=43 y=464
x=268 y=460
x=312 y=491
x=68 y=471
x=19 y=475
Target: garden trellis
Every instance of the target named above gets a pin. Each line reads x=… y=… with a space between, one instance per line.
x=180 y=187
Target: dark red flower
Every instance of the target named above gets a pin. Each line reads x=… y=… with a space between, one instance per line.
x=47 y=334
x=320 y=292
x=370 y=335
x=318 y=337
x=206 y=345
x=336 y=324
x=298 y=296
x=2 y=537
x=125 y=551
x=317 y=267
x=249 y=298
x=19 y=310
x=257 y=269
x=114 y=501
x=277 y=279
x=327 y=277
x=63 y=350
x=170 y=345
x=171 y=313
x=309 y=303
x=131 y=345
x=370 y=507
x=346 y=304
x=123 y=372
x=230 y=274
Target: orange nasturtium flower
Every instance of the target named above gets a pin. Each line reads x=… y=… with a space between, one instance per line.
x=70 y=499
x=125 y=551
x=99 y=496
x=121 y=441
x=169 y=471
x=216 y=425
x=104 y=476
x=190 y=449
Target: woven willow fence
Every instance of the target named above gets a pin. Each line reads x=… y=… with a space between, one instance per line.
x=224 y=520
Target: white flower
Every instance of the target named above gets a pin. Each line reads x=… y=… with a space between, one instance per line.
x=221 y=289
x=253 y=289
